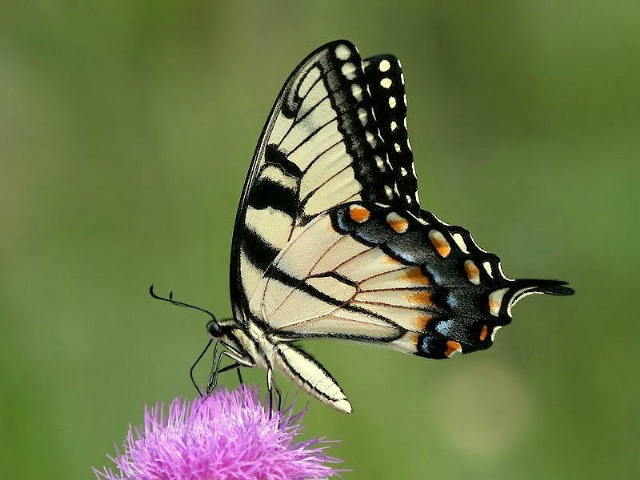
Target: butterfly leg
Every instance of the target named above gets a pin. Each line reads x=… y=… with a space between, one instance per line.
x=216 y=370
x=272 y=387
x=191 y=375
x=230 y=367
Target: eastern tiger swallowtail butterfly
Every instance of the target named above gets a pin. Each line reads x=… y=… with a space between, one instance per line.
x=330 y=239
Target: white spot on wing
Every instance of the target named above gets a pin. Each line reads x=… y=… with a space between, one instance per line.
x=460 y=242
x=363 y=116
x=343 y=52
x=487 y=268
x=371 y=139
x=349 y=70
x=356 y=91
x=392 y=102
x=384 y=66
x=386 y=83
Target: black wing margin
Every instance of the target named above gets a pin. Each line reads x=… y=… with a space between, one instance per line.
x=386 y=84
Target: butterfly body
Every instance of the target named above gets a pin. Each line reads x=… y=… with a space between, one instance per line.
x=330 y=239
x=250 y=345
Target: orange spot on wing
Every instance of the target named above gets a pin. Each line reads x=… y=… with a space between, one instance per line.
x=494 y=306
x=452 y=347
x=415 y=275
x=495 y=301
x=398 y=223
x=358 y=213
x=473 y=273
x=483 y=333
x=421 y=297
x=440 y=243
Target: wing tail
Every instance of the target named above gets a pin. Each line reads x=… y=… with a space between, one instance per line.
x=522 y=287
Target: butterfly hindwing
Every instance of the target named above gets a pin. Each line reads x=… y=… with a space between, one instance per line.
x=373 y=274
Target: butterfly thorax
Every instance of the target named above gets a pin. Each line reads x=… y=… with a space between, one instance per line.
x=248 y=345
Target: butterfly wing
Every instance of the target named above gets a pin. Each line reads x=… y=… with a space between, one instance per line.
x=320 y=148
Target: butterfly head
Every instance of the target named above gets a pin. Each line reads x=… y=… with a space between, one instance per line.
x=220 y=328
x=214 y=329
x=229 y=334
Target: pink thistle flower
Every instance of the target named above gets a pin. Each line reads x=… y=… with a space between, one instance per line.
x=228 y=435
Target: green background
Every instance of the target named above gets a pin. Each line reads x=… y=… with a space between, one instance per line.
x=126 y=130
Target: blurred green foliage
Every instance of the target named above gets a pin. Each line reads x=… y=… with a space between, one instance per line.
x=126 y=130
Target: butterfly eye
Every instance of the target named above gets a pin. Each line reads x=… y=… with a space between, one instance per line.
x=214 y=329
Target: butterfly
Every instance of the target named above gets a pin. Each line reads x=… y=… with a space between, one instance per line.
x=330 y=239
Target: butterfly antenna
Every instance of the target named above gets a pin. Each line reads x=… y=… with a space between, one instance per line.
x=179 y=304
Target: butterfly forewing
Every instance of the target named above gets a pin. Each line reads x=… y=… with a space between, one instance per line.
x=320 y=148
